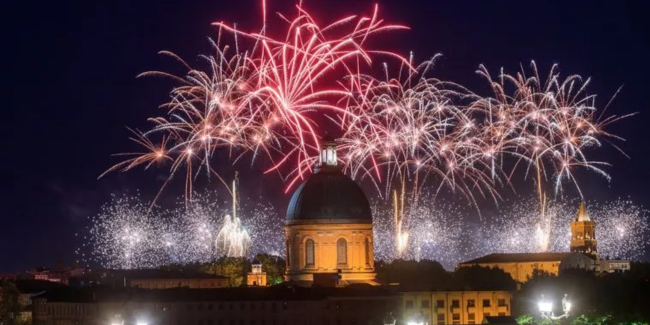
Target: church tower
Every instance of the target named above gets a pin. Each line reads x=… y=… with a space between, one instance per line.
x=583 y=233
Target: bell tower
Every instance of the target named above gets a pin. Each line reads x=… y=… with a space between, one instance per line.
x=583 y=233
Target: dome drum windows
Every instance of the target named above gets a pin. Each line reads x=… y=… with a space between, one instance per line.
x=310 y=255
x=342 y=252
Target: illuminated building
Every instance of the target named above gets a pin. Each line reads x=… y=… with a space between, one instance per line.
x=456 y=307
x=522 y=266
x=583 y=233
x=583 y=254
x=256 y=277
x=329 y=227
x=280 y=305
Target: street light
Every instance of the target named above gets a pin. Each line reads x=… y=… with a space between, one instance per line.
x=417 y=320
x=546 y=308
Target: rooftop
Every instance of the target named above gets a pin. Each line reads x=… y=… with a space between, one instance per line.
x=277 y=293
x=582 y=214
x=519 y=257
x=161 y=274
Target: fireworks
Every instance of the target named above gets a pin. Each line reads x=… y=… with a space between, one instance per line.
x=621 y=229
x=127 y=234
x=435 y=231
x=257 y=100
x=428 y=131
x=233 y=239
x=430 y=135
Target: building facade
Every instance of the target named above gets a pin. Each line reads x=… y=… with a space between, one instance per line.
x=522 y=266
x=329 y=227
x=613 y=266
x=583 y=233
x=256 y=277
x=227 y=306
x=159 y=279
x=456 y=307
x=169 y=283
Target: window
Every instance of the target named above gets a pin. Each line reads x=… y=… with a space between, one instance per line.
x=441 y=318
x=455 y=303
x=486 y=314
x=367 y=250
x=440 y=304
x=471 y=303
x=471 y=318
x=501 y=302
x=342 y=251
x=486 y=303
x=210 y=306
x=309 y=252
x=455 y=318
x=424 y=304
x=409 y=304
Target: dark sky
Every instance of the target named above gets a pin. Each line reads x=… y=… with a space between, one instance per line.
x=70 y=89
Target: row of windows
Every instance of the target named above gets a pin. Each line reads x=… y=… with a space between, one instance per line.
x=455 y=318
x=455 y=303
x=325 y=321
x=86 y=309
x=341 y=252
x=242 y=306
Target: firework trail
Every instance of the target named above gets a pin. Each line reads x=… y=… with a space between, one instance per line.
x=425 y=130
x=546 y=126
x=257 y=101
x=435 y=230
x=233 y=239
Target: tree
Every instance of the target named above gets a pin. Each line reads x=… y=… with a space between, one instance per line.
x=9 y=306
x=235 y=268
x=482 y=278
x=413 y=275
x=525 y=320
x=612 y=298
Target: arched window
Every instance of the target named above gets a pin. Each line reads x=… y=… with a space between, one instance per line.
x=342 y=251
x=367 y=250
x=309 y=252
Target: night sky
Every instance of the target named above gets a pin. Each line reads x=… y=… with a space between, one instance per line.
x=70 y=89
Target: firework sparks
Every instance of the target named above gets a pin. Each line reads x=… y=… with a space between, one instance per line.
x=621 y=229
x=233 y=239
x=127 y=234
x=257 y=101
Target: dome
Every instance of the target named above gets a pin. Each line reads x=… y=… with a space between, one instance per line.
x=329 y=195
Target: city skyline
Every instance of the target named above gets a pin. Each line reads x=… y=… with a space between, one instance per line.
x=54 y=187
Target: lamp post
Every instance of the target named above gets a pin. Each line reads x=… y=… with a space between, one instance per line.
x=417 y=320
x=546 y=308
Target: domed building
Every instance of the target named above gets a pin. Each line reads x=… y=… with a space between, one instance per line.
x=329 y=227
